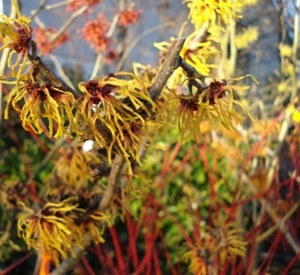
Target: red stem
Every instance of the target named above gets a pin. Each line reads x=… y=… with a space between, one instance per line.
x=142 y=218
x=157 y=269
x=252 y=154
x=88 y=268
x=119 y=256
x=267 y=261
x=292 y=262
x=167 y=254
x=212 y=182
x=106 y=259
x=187 y=158
x=168 y=162
x=15 y=264
x=132 y=241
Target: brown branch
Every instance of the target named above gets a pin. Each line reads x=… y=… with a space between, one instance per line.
x=171 y=63
x=193 y=77
x=112 y=182
x=69 y=263
x=42 y=69
x=190 y=71
x=104 y=204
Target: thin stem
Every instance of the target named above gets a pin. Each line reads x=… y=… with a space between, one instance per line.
x=233 y=49
x=56 y=5
x=72 y=261
x=15 y=264
x=271 y=230
x=286 y=123
x=61 y=72
x=112 y=182
x=6 y=235
x=282 y=227
x=35 y=12
x=277 y=220
x=67 y=24
x=130 y=47
x=98 y=61
x=190 y=71
x=97 y=65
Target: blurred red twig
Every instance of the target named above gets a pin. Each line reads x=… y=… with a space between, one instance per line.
x=16 y=264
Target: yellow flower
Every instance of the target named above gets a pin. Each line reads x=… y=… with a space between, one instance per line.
x=16 y=35
x=215 y=247
x=128 y=141
x=122 y=104
x=95 y=223
x=184 y=110
x=246 y=37
x=213 y=11
x=73 y=165
x=213 y=104
x=232 y=243
x=52 y=228
x=217 y=105
x=201 y=254
x=146 y=73
x=198 y=265
x=41 y=99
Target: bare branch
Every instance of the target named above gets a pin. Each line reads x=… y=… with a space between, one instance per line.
x=128 y=48
x=104 y=204
x=66 y=25
x=190 y=71
x=44 y=70
x=112 y=182
x=280 y=222
x=69 y=263
x=171 y=63
x=35 y=12
x=271 y=230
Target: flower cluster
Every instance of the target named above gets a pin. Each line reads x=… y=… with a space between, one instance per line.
x=57 y=227
x=15 y=34
x=213 y=11
x=42 y=39
x=121 y=103
x=215 y=247
x=11 y=192
x=41 y=99
x=73 y=166
x=213 y=104
x=76 y=5
x=95 y=34
x=51 y=228
x=128 y=17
